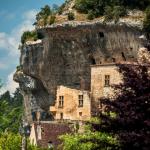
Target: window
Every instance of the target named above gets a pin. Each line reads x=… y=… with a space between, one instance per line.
x=93 y=62
x=61 y=101
x=80 y=100
x=80 y=114
x=107 y=80
x=61 y=116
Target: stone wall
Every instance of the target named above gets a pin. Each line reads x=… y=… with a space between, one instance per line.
x=98 y=88
x=71 y=109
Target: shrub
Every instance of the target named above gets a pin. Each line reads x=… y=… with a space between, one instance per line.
x=91 y=15
x=52 y=19
x=60 y=9
x=146 y=23
x=118 y=11
x=114 y=13
x=71 y=16
x=30 y=36
x=108 y=14
x=45 y=12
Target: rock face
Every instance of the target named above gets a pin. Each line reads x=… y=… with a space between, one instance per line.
x=65 y=54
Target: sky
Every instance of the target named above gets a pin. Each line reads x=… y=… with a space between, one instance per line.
x=16 y=16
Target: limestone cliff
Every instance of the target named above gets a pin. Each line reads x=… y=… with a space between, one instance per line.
x=65 y=54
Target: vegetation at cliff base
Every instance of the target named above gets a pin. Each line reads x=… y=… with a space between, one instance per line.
x=11 y=110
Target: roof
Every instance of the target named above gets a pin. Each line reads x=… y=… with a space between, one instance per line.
x=50 y=132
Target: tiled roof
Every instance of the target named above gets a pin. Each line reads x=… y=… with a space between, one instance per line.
x=50 y=133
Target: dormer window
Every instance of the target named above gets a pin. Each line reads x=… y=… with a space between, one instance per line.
x=80 y=97
x=107 y=81
x=61 y=102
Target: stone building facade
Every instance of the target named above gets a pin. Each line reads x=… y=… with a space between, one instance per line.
x=102 y=78
x=71 y=104
x=75 y=104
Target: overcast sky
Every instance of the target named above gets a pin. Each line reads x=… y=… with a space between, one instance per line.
x=16 y=16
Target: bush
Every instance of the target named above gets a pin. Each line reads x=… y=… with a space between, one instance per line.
x=71 y=16
x=60 y=9
x=91 y=15
x=114 y=13
x=118 y=11
x=118 y=7
x=30 y=36
x=52 y=19
x=146 y=23
x=44 y=13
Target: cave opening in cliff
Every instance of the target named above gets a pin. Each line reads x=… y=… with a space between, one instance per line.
x=113 y=60
x=101 y=34
x=123 y=56
x=93 y=62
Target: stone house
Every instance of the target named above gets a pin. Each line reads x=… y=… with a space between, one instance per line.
x=77 y=104
x=71 y=104
x=46 y=134
x=103 y=76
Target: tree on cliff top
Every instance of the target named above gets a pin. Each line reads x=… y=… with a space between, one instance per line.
x=99 y=7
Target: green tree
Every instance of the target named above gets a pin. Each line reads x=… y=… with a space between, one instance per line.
x=52 y=19
x=91 y=15
x=11 y=111
x=114 y=13
x=10 y=141
x=71 y=16
x=29 y=35
x=44 y=13
x=146 y=23
x=89 y=140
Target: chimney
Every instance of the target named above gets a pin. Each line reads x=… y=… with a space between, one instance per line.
x=38 y=116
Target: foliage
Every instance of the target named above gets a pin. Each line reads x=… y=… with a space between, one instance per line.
x=55 y=8
x=52 y=19
x=89 y=140
x=10 y=141
x=146 y=23
x=71 y=16
x=113 y=9
x=60 y=9
x=44 y=13
x=114 y=13
x=31 y=36
x=10 y=111
x=28 y=35
x=91 y=15
x=130 y=118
